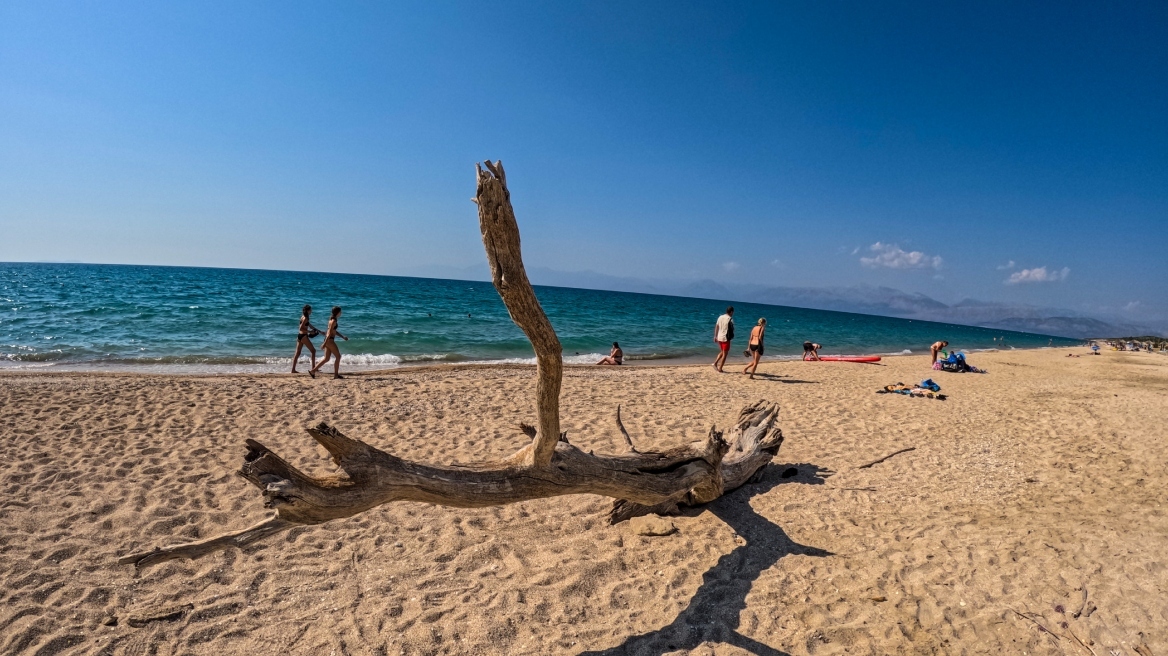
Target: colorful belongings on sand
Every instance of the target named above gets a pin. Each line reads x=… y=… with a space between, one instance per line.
x=929 y=391
x=955 y=363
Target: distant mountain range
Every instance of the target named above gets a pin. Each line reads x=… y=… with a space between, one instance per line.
x=862 y=299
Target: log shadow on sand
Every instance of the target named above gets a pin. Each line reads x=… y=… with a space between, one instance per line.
x=713 y=613
x=779 y=378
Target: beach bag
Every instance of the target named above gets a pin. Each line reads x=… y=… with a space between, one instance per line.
x=930 y=385
x=730 y=331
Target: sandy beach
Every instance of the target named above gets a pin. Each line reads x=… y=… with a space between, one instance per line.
x=1029 y=519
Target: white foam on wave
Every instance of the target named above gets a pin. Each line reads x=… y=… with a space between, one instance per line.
x=356 y=359
x=586 y=358
x=429 y=357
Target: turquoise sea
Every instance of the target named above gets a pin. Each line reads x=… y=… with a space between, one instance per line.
x=81 y=316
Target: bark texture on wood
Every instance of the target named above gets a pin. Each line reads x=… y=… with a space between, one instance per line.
x=501 y=241
x=640 y=482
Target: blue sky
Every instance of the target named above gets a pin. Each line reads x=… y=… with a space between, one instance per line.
x=994 y=151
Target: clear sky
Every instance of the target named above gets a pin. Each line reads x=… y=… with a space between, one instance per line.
x=986 y=150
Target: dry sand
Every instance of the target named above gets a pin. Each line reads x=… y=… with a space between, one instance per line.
x=1030 y=488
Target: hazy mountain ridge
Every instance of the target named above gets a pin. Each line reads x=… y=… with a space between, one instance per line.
x=863 y=299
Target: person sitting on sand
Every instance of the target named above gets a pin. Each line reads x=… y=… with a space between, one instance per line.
x=329 y=346
x=615 y=356
x=811 y=351
x=304 y=337
x=936 y=348
x=755 y=348
x=723 y=333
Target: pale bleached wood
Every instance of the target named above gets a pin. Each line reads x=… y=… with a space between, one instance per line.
x=194 y=550
x=640 y=482
x=624 y=433
x=505 y=259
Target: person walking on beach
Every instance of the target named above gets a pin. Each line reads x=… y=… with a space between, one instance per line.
x=811 y=351
x=304 y=337
x=936 y=348
x=615 y=356
x=329 y=346
x=755 y=347
x=723 y=333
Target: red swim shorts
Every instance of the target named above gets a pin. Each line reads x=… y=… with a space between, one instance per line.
x=725 y=346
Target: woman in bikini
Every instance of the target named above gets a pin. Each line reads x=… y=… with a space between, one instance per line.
x=756 y=347
x=330 y=345
x=936 y=349
x=615 y=356
x=811 y=350
x=304 y=337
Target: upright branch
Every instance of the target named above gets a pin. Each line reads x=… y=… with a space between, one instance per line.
x=639 y=481
x=501 y=241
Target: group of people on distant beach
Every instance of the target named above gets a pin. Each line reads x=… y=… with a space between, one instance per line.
x=329 y=346
x=723 y=335
x=755 y=345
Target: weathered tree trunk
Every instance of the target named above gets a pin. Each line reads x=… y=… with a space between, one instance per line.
x=640 y=482
x=501 y=241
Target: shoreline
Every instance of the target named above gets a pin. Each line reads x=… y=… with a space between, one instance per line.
x=200 y=370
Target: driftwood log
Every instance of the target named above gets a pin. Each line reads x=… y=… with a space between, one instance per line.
x=640 y=482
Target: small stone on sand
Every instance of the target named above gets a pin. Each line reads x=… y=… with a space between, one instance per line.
x=652 y=525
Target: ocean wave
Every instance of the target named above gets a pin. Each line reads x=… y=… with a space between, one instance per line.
x=585 y=358
x=34 y=356
x=356 y=359
x=184 y=359
x=657 y=356
x=435 y=357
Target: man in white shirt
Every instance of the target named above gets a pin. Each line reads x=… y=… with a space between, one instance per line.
x=723 y=333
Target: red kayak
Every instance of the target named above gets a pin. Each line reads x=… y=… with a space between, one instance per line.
x=858 y=358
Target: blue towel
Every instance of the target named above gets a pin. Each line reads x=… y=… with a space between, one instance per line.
x=930 y=385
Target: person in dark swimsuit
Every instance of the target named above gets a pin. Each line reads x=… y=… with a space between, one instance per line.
x=756 y=348
x=304 y=337
x=811 y=350
x=616 y=356
x=330 y=345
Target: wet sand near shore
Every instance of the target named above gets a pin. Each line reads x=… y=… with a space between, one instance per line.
x=1029 y=518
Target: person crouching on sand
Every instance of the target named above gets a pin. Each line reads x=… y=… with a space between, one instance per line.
x=936 y=348
x=811 y=350
x=304 y=337
x=723 y=333
x=330 y=345
x=755 y=347
x=616 y=356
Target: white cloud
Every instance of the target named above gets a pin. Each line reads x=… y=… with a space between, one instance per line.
x=1038 y=274
x=778 y=264
x=1131 y=307
x=893 y=257
x=730 y=266
x=1007 y=266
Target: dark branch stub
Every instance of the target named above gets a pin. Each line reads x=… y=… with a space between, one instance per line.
x=640 y=482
